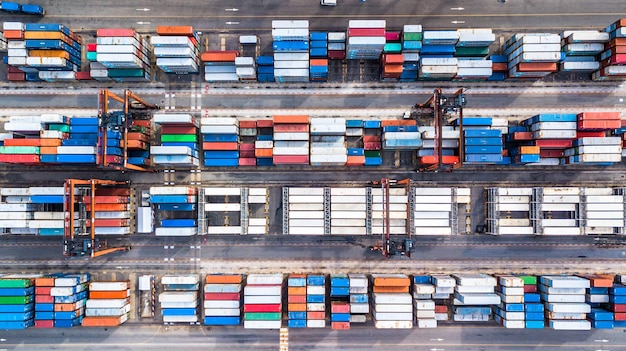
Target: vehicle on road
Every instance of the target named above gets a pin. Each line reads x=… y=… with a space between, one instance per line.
x=328 y=2
x=27 y=9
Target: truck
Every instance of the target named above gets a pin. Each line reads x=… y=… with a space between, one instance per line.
x=27 y=9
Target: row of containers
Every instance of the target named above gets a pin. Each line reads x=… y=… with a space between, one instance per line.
x=62 y=301
x=185 y=141
x=271 y=301
x=189 y=210
x=301 y=55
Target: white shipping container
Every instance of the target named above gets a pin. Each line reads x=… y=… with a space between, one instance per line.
x=392 y=316
x=222 y=312
x=109 y=286
x=221 y=304
x=216 y=207
x=570 y=325
x=363 y=308
x=252 y=290
x=306 y=215
x=400 y=308
x=107 y=303
x=392 y=298
x=247 y=324
x=264 y=279
x=393 y=324
x=180 y=319
x=180 y=279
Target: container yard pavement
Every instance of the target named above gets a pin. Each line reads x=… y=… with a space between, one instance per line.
x=220 y=16
x=448 y=338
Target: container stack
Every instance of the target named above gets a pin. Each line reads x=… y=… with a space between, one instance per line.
x=328 y=142
x=245 y=67
x=499 y=67
x=482 y=144
x=438 y=68
x=444 y=289
x=340 y=302
x=306 y=211
x=508 y=211
x=26 y=150
x=108 y=304
x=564 y=301
x=177 y=49
x=433 y=211
x=449 y=146
x=336 y=45
x=348 y=211
x=263 y=292
x=392 y=304
x=533 y=55
x=112 y=211
x=553 y=133
x=179 y=140
x=474 y=296
x=423 y=290
x=297 y=301
x=612 y=59
x=410 y=67
x=63 y=299
x=439 y=43
x=401 y=135
x=179 y=299
x=412 y=38
x=46 y=223
x=291 y=140
x=138 y=138
x=17 y=294
x=222 y=299
x=595 y=148
x=372 y=143
x=510 y=312
x=393 y=42
x=175 y=210
x=316 y=301
x=17 y=211
x=359 y=299
x=392 y=67
x=604 y=211
x=220 y=138
x=598 y=294
x=559 y=210
x=581 y=47
x=319 y=45
x=247 y=136
x=291 y=50
x=398 y=200
x=53 y=50
x=533 y=308
x=474 y=43
x=219 y=66
x=354 y=143
x=82 y=145
x=264 y=144
x=13 y=33
x=318 y=70
x=617 y=301
x=366 y=39
x=125 y=54
x=265 y=69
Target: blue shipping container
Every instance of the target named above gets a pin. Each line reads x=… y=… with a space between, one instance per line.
x=176 y=207
x=221 y=162
x=317 y=280
x=222 y=320
x=178 y=223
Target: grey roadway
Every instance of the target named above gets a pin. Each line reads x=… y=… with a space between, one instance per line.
x=435 y=14
x=470 y=337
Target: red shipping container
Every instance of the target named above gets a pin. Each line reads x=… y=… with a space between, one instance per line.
x=554 y=143
x=617 y=59
x=247 y=124
x=107 y=199
x=340 y=325
x=262 y=308
x=44 y=299
x=587 y=134
x=392 y=36
x=141 y=123
x=336 y=54
x=265 y=123
x=530 y=288
x=519 y=136
x=247 y=154
x=193 y=41
x=110 y=159
x=398 y=122
x=42 y=290
x=178 y=129
x=22 y=142
x=599 y=115
x=291 y=128
x=537 y=67
x=499 y=67
x=618 y=307
x=339 y=307
x=12 y=69
x=291 y=160
x=247 y=161
x=19 y=158
x=316 y=315
x=115 y=32
x=430 y=160
x=16 y=77
x=290 y=119
x=138 y=136
x=296 y=299
x=109 y=207
x=44 y=324
x=113 y=191
x=221 y=296
x=371 y=138
x=175 y=30
x=619 y=316
x=441 y=309
x=219 y=56
x=598 y=124
x=111 y=222
x=13 y=34
x=547 y=153
x=372 y=146
x=83 y=75
x=220 y=146
x=92 y=47
x=246 y=146
x=366 y=32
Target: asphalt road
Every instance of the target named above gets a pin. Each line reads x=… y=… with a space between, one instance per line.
x=435 y=14
x=473 y=336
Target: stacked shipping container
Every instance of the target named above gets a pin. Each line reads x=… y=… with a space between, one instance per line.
x=179 y=299
x=392 y=304
x=179 y=140
x=219 y=66
x=328 y=142
x=220 y=141
x=532 y=55
x=108 y=304
x=316 y=301
x=366 y=39
x=263 y=301
x=581 y=48
x=125 y=54
x=474 y=296
x=291 y=140
x=60 y=300
x=510 y=312
x=564 y=301
x=291 y=50
x=175 y=210
x=613 y=58
x=177 y=49
x=222 y=299
x=296 y=301
x=17 y=294
x=423 y=291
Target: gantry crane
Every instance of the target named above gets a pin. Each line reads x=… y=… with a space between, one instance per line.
x=81 y=240
x=132 y=105
x=386 y=245
x=437 y=108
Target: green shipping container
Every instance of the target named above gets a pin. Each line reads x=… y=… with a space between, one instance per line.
x=65 y=128
x=372 y=153
x=179 y=138
x=92 y=56
x=117 y=73
x=529 y=279
x=412 y=36
x=16 y=300
x=16 y=283
x=471 y=51
x=262 y=316
x=21 y=150
x=393 y=47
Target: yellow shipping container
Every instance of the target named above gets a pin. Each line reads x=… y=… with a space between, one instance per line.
x=49 y=53
x=44 y=35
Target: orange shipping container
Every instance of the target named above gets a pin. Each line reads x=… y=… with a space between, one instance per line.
x=394 y=58
x=136 y=144
x=49 y=53
x=138 y=136
x=13 y=34
x=296 y=307
x=219 y=56
x=295 y=290
x=446 y=160
x=291 y=119
x=109 y=294
x=391 y=289
x=48 y=150
x=355 y=161
x=247 y=124
x=529 y=149
x=319 y=62
x=44 y=281
x=109 y=207
x=65 y=307
x=102 y=321
x=397 y=122
x=22 y=142
x=600 y=116
x=391 y=281
x=537 y=67
x=393 y=69
x=175 y=30
x=223 y=279
x=296 y=299
x=220 y=146
x=50 y=142
x=316 y=315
